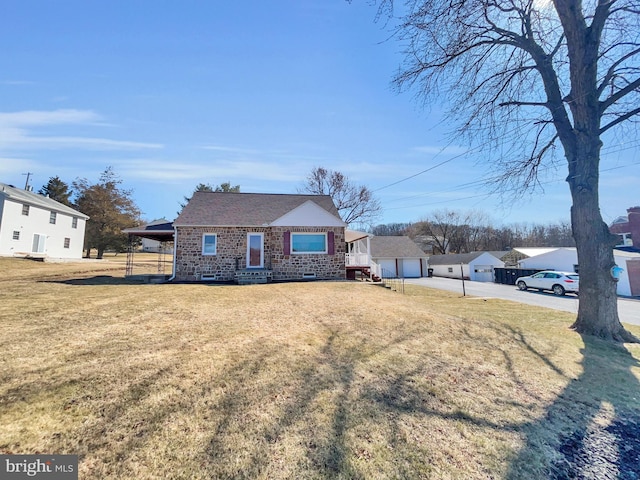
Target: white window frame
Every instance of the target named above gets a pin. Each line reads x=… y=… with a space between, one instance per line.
x=74 y=222
x=16 y=235
x=215 y=246
x=67 y=242
x=53 y=218
x=326 y=243
x=25 y=210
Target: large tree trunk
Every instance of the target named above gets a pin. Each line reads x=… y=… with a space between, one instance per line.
x=598 y=307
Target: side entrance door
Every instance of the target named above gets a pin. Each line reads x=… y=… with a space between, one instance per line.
x=255 y=250
x=38 y=243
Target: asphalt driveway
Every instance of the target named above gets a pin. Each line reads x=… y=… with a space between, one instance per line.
x=628 y=309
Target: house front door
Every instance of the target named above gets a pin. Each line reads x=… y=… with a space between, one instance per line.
x=255 y=250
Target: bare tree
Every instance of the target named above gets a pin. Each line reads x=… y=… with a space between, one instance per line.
x=355 y=203
x=526 y=76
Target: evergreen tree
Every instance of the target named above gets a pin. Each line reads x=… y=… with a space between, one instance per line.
x=57 y=190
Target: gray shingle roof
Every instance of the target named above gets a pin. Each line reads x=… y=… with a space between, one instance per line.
x=244 y=209
x=22 y=196
x=454 y=258
x=395 y=247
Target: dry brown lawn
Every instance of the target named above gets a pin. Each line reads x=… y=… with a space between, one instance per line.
x=299 y=380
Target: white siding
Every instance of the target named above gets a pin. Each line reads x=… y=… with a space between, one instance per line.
x=37 y=222
x=449 y=271
x=562 y=260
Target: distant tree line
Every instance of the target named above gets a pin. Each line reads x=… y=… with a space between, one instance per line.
x=451 y=231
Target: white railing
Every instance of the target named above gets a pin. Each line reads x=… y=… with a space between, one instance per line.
x=357 y=259
x=375 y=269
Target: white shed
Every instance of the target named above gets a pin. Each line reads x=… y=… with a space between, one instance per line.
x=35 y=225
x=475 y=266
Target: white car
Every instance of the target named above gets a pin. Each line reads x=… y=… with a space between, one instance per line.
x=557 y=282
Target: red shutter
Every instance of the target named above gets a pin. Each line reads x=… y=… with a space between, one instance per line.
x=287 y=243
x=331 y=248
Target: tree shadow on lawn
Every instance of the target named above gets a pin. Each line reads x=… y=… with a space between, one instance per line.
x=592 y=428
x=313 y=419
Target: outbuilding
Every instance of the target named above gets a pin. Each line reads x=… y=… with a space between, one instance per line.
x=475 y=266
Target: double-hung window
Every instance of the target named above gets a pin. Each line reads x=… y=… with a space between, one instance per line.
x=52 y=217
x=74 y=222
x=308 y=243
x=209 y=243
x=25 y=210
x=67 y=242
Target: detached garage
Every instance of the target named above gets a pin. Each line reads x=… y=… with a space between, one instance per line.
x=475 y=266
x=398 y=256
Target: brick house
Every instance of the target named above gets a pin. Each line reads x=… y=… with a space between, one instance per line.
x=255 y=237
x=628 y=228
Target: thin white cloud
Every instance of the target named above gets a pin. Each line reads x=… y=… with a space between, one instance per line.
x=236 y=150
x=90 y=143
x=32 y=118
x=17 y=131
x=234 y=171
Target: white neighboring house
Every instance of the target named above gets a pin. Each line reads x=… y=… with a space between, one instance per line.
x=565 y=259
x=475 y=266
x=37 y=226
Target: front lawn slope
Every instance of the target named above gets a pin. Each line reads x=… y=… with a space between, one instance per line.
x=323 y=380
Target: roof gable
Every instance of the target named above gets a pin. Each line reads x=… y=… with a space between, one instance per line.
x=23 y=196
x=246 y=209
x=308 y=214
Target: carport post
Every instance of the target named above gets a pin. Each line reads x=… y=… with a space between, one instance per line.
x=464 y=292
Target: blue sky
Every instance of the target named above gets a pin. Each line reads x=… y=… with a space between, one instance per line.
x=172 y=94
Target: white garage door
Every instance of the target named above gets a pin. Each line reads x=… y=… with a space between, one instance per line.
x=388 y=267
x=411 y=267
